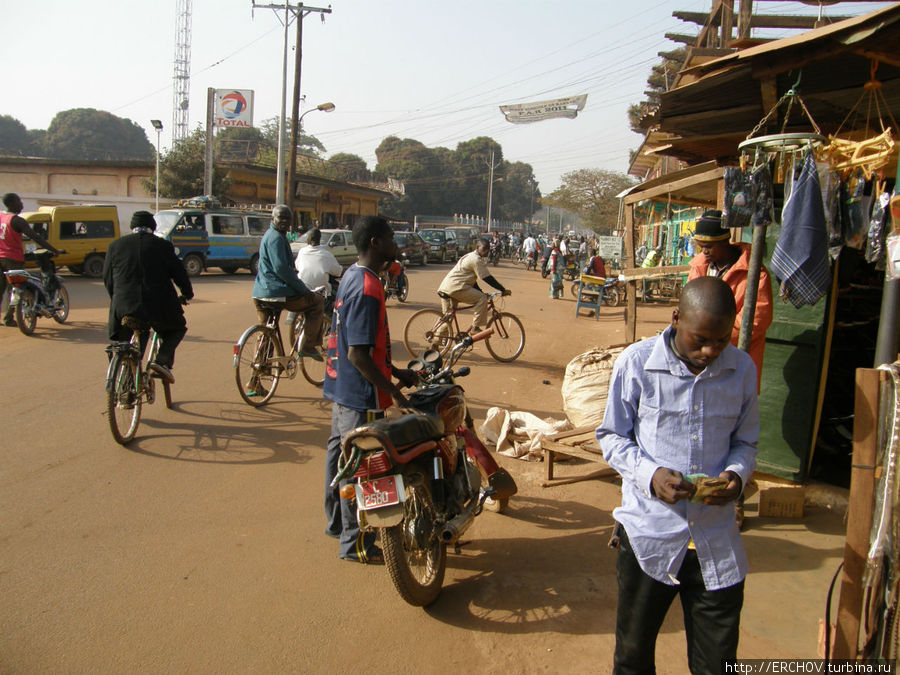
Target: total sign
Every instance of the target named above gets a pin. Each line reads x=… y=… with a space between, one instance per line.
x=234 y=108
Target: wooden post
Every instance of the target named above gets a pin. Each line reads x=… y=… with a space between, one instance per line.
x=746 y=12
x=859 y=512
x=630 y=288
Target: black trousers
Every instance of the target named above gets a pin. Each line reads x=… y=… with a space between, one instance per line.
x=711 y=618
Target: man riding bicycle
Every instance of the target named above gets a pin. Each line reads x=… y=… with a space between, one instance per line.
x=138 y=273
x=461 y=284
x=277 y=283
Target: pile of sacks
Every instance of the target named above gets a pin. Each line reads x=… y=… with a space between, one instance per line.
x=519 y=434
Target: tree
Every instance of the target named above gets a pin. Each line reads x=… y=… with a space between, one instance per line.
x=13 y=136
x=181 y=170
x=661 y=77
x=86 y=133
x=591 y=193
x=348 y=168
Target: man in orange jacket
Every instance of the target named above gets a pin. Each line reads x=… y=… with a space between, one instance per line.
x=718 y=257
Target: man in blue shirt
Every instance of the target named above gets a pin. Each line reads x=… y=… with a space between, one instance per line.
x=277 y=281
x=358 y=372
x=681 y=404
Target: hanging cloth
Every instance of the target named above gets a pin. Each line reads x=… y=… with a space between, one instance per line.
x=800 y=260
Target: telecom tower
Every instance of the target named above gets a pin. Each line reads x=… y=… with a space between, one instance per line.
x=182 y=78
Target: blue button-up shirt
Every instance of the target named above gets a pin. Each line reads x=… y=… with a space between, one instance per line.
x=659 y=414
x=276 y=278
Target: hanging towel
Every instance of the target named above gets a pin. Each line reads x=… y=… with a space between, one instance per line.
x=800 y=260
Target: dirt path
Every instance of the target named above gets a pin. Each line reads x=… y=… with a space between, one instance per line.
x=200 y=548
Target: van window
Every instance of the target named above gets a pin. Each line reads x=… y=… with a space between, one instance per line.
x=91 y=229
x=257 y=225
x=233 y=225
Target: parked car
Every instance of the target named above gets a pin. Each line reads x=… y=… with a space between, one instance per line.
x=442 y=244
x=413 y=246
x=339 y=242
x=466 y=236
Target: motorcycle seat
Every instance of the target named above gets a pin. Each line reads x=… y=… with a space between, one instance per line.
x=409 y=429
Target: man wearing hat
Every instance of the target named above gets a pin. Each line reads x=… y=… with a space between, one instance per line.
x=138 y=273
x=718 y=257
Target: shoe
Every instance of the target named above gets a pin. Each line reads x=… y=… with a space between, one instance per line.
x=315 y=356
x=10 y=322
x=373 y=556
x=162 y=372
x=253 y=392
x=503 y=483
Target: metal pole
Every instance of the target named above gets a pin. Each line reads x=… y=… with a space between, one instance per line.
x=887 y=344
x=208 y=164
x=490 y=192
x=295 y=110
x=279 y=166
x=158 y=131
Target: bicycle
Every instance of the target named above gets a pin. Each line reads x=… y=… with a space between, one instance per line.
x=432 y=329
x=130 y=382
x=260 y=362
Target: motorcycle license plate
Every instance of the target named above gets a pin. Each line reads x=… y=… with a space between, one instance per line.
x=378 y=493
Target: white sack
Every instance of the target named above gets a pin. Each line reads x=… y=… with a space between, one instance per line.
x=586 y=384
x=518 y=434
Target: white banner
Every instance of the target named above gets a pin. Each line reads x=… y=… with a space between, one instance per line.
x=523 y=113
x=233 y=108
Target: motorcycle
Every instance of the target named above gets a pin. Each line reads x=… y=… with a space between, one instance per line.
x=37 y=294
x=395 y=281
x=420 y=478
x=494 y=254
x=611 y=292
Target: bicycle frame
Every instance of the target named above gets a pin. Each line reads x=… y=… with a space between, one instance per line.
x=450 y=318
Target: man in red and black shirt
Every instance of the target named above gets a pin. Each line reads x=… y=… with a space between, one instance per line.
x=12 y=255
x=358 y=373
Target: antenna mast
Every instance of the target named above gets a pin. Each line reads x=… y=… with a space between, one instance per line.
x=182 y=77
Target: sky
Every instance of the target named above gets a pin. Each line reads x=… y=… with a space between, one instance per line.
x=432 y=71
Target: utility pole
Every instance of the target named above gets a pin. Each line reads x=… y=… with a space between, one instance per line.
x=298 y=12
x=490 y=189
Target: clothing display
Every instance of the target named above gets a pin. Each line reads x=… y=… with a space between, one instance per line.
x=800 y=260
x=875 y=251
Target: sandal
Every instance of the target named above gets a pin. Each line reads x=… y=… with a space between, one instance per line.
x=373 y=556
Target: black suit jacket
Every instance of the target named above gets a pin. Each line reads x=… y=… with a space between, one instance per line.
x=138 y=273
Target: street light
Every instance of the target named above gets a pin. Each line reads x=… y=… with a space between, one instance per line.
x=157 y=124
x=324 y=107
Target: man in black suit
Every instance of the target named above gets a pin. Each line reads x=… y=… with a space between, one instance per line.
x=138 y=274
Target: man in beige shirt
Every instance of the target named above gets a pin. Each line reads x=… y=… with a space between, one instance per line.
x=461 y=284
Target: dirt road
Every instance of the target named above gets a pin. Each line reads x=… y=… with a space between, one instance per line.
x=200 y=548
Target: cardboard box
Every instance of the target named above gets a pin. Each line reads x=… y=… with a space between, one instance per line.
x=781 y=502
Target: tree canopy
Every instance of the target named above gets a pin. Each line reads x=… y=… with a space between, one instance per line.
x=13 y=136
x=591 y=193
x=181 y=170
x=440 y=181
x=86 y=133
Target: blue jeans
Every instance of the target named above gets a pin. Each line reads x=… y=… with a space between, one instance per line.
x=711 y=618
x=340 y=514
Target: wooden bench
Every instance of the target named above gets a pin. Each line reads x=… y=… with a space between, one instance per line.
x=579 y=442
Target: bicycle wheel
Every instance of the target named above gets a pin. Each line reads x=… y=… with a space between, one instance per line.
x=123 y=403
x=62 y=311
x=255 y=373
x=508 y=338
x=425 y=331
x=314 y=371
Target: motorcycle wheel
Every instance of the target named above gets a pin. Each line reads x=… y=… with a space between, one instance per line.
x=508 y=348
x=123 y=403
x=253 y=359
x=26 y=317
x=314 y=371
x=612 y=297
x=61 y=314
x=576 y=285
x=545 y=272
x=423 y=332
x=402 y=288
x=413 y=552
